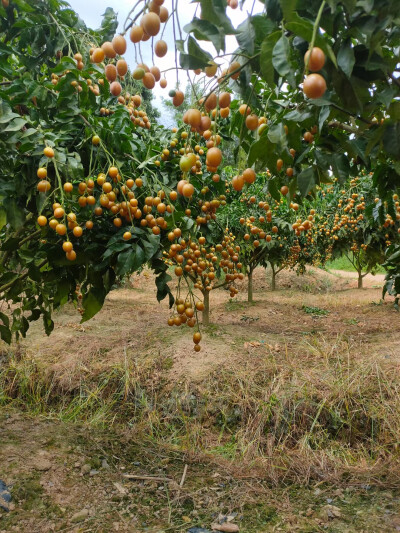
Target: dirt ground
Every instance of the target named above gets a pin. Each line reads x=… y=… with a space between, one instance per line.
x=132 y=324
x=70 y=476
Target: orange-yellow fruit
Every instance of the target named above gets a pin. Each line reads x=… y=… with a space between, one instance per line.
x=180 y=185
x=151 y=23
x=119 y=44
x=42 y=220
x=224 y=100
x=98 y=55
x=211 y=69
x=214 y=157
x=77 y=231
x=43 y=186
x=316 y=61
x=67 y=246
x=42 y=173
x=178 y=98
x=156 y=73
x=194 y=118
x=111 y=73
x=244 y=109
x=136 y=34
x=160 y=48
x=211 y=102
x=149 y=80
x=252 y=122
x=187 y=190
x=48 y=152
x=122 y=67
x=71 y=256
x=108 y=50
x=314 y=86
x=61 y=229
x=234 y=66
x=115 y=88
x=238 y=183
x=249 y=175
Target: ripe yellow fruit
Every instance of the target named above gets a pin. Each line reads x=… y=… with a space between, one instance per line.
x=48 y=152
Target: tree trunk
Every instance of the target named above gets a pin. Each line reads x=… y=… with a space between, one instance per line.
x=273 y=279
x=360 y=279
x=250 y=286
x=206 y=311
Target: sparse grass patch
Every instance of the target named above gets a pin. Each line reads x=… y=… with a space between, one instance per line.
x=315 y=311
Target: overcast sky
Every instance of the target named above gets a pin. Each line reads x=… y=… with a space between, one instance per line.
x=91 y=12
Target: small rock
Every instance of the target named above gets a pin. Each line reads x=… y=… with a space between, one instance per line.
x=198 y=530
x=42 y=465
x=104 y=464
x=86 y=468
x=80 y=516
x=226 y=528
x=331 y=512
x=93 y=472
x=338 y=493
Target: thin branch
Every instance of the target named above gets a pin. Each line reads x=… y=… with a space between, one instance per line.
x=342 y=126
x=21 y=277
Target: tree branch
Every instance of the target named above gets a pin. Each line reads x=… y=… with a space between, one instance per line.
x=21 y=277
x=342 y=126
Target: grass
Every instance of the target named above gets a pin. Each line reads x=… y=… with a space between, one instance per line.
x=315 y=311
x=319 y=412
x=343 y=263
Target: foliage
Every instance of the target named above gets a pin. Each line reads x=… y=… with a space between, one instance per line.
x=111 y=189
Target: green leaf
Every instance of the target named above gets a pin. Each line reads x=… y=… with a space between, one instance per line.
x=273 y=9
x=280 y=56
x=273 y=189
x=323 y=115
x=345 y=58
x=15 y=125
x=130 y=260
x=204 y=30
x=267 y=47
x=151 y=246
x=276 y=134
x=15 y=215
x=262 y=27
x=340 y=167
x=391 y=140
x=246 y=36
x=288 y=8
x=5 y=334
x=215 y=12
x=92 y=302
x=306 y=181
x=5 y=319
x=3 y=217
x=196 y=58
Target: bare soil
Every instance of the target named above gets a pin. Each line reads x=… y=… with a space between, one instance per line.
x=57 y=468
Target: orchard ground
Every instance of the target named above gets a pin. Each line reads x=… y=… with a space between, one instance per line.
x=287 y=420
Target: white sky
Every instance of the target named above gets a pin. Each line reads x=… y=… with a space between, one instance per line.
x=91 y=12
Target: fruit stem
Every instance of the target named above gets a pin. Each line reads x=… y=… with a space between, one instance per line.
x=314 y=33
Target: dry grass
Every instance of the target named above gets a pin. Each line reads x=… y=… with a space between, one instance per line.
x=304 y=406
